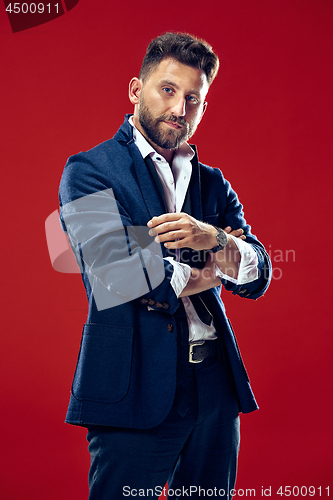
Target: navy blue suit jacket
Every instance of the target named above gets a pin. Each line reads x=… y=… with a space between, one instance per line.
x=126 y=370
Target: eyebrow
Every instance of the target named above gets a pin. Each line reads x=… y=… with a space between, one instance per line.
x=172 y=84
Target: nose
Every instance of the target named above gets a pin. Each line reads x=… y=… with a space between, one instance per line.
x=179 y=106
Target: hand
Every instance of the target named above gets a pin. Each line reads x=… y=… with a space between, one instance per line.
x=238 y=233
x=181 y=230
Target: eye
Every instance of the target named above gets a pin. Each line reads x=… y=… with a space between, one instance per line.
x=168 y=90
x=192 y=99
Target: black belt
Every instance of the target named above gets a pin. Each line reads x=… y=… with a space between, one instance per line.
x=198 y=351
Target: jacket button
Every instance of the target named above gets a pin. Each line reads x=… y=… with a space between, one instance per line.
x=170 y=327
x=151 y=302
x=165 y=305
x=158 y=305
x=144 y=301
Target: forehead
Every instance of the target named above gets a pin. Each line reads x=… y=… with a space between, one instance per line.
x=185 y=77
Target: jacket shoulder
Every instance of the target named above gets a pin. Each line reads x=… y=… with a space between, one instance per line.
x=100 y=153
x=97 y=168
x=212 y=174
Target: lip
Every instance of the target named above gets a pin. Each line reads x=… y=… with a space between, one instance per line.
x=173 y=125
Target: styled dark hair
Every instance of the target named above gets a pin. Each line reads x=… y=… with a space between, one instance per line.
x=183 y=47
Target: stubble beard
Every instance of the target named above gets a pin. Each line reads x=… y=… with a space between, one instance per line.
x=166 y=139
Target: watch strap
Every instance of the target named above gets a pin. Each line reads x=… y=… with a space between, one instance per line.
x=222 y=240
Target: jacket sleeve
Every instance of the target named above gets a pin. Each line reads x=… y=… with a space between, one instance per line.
x=229 y=212
x=122 y=262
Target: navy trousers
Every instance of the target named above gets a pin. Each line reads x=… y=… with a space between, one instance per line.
x=194 y=449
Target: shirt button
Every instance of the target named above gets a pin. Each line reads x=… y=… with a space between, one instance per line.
x=170 y=327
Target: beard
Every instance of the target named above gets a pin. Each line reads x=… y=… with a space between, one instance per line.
x=166 y=139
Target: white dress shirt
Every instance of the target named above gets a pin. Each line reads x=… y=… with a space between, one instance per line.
x=175 y=182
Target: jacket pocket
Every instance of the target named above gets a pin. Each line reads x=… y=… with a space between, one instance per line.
x=103 y=368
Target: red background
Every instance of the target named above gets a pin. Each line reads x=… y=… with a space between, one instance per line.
x=268 y=126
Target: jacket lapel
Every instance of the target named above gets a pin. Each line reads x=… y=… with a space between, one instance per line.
x=195 y=188
x=150 y=192
x=150 y=164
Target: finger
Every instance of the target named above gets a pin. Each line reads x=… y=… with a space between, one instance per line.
x=227 y=229
x=160 y=219
x=164 y=228
x=179 y=243
x=170 y=236
x=237 y=232
x=239 y=236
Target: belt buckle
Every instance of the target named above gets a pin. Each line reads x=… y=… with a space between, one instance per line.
x=190 y=352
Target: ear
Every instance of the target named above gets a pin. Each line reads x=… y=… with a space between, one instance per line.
x=134 y=90
x=204 y=107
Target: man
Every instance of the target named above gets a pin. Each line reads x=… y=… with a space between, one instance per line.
x=159 y=381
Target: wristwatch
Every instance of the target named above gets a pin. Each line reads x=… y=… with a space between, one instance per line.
x=222 y=240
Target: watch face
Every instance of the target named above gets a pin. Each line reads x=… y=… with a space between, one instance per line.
x=222 y=239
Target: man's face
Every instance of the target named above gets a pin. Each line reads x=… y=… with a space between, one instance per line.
x=171 y=104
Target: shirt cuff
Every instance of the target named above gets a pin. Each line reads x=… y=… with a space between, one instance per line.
x=248 y=266
x=180 y=276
